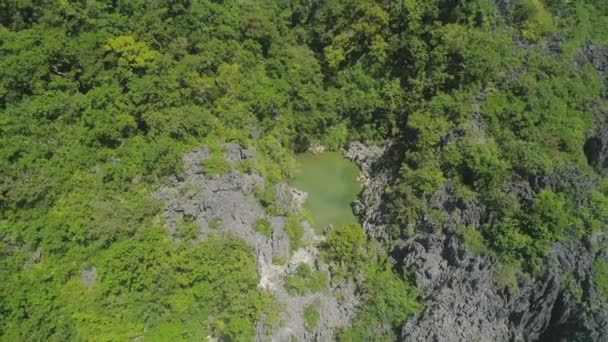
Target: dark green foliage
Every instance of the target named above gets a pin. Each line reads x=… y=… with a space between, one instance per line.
x=305 y=280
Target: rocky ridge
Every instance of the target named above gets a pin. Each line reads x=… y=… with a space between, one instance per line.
x=226 y=204
x=463 y=301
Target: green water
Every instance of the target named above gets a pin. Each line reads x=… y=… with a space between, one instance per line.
x=331 y=183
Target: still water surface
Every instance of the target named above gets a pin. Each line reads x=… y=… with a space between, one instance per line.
x=331 y=183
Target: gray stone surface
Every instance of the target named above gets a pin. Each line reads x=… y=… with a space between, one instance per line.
x=88 y=276
x=459 y=290
x=226 y=204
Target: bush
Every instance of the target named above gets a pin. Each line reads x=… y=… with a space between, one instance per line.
x=474 y=240
x=344 y=249
x=311 y=315
x=508 y=275
x=600 y=275
x=388 y=301
x=336 y=136
x=534 y=19
x=215 y=224
x=263 y=227
x=187 y=230
x=279 y=260
x=216 y=164
x=304 y=280
x=294 y=231
x=267 y=198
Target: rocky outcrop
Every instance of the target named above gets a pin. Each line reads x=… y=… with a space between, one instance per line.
x=462 y=299
x=464 y=303
x=370 y=207
x=289 y=200
x=226 y=204
x=88 y=276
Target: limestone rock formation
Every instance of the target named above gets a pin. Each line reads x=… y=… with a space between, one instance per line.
x=226 y=204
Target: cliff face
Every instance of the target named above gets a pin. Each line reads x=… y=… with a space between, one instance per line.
x=596 y=146
x=463 y=301
x=226 y=205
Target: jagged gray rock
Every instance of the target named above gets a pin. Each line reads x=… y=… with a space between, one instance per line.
x=88 y=276
x=226 y=204
x=463 y=301
x=369 y=207
x=289 y=199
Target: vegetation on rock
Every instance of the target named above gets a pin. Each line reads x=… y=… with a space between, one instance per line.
x=99 y=100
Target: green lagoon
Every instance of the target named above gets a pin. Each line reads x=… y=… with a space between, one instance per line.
x=331 y=183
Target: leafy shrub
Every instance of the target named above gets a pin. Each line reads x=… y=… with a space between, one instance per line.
x=267 y=197
x=311 y=315
x=388 y=301
x=279 y=260
x=474 y=240
x=263 y=227
x=215 y=165
x=534 y=19
x=294 y=231
x=215 y=224
x=344 y=249
x=508 y=275
x=600 y=274
x=336 y=136
x=304 y=280
x=187 y=230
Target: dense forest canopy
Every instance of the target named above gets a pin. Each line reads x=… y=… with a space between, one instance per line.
x=99 y=99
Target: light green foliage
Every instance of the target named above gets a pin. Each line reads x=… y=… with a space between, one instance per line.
x=548 y=217
x=215 y=224
x=344 y=249
x=600 y=274
x=279 y=260
x=311 y=315
x=187 y=230
x=525 y=236
x=267 y=196
x=98 y=103
x=474 y=240
x=336 y=136
x=305 y=280
x=131 y=53
x=216 y=164
x=508 y=274
x=533 y=18
x=294 y=231
x=570 y=284
x=263 y=227
x=388 y=301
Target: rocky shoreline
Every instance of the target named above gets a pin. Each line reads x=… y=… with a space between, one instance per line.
x=226 y=204
x=459 y=289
